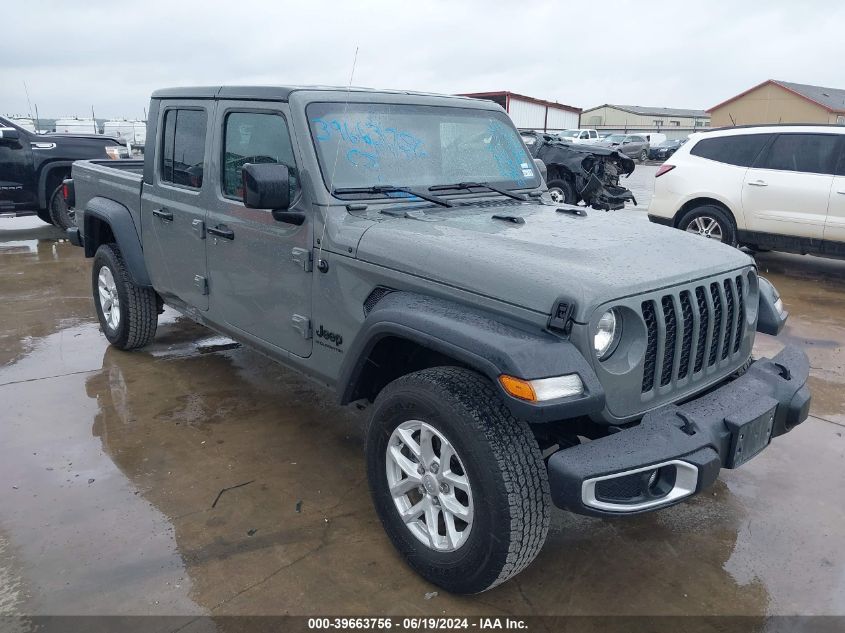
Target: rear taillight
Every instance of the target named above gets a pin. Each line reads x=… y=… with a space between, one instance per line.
x=68 y=192
x=664 y=169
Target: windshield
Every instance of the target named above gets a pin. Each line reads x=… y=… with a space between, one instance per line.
x=365 y=145
x=615 y=138
x=570 y=133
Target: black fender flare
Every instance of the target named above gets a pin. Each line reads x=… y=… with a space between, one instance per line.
x=482 y=342
x=770 y=319
x=119 y=219
x=46 y=170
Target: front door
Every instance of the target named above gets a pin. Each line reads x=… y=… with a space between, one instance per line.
x=173 y=206
x=259 y=268
x=17 y=184
x=786 y=191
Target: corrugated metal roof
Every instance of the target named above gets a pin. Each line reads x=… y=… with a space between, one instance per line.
x=654 y=111
x=516 y=95
x=830 y=98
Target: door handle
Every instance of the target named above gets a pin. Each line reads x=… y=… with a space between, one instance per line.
x=840 y=192
x=164 y=214
x=221 y=230
x=758 y=183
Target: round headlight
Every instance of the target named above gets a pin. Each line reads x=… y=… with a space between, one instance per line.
x=607 y=334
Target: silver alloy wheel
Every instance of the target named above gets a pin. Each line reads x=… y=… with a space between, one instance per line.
x=557 y=195
x=109 y=300
x=706 y=226
x=429 y=486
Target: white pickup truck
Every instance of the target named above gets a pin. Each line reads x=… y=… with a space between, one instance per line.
x=580 y=136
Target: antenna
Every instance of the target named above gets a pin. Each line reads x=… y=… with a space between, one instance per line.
x=336 y=155
x=94 y=118
x=28 y=102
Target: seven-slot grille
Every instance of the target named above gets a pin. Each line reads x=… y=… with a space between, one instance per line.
x=691 y=329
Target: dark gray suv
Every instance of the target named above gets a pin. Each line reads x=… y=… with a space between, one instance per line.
x=634 y=145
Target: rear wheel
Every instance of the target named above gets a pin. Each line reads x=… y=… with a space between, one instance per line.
x=643 y=156
x=62 y=215
x=458 y=483
x=128 y=313
x=711 y=222
x=562 y=191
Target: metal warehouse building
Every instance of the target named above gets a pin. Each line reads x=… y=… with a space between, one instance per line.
x=775 y=101
x=673 y=122
x=529 y=113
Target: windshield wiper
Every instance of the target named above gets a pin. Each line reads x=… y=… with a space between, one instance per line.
x=393 y=189
x=478 y=185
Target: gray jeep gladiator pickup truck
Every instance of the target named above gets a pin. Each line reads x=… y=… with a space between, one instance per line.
x=402 y=248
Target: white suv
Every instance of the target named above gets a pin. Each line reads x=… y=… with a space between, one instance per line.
x=778 y=187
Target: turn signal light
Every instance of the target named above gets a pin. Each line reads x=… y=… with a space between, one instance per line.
x=518 y=388
x=664 y=168
x=542 y=389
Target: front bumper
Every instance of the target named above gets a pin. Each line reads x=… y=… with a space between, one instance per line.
x=677 y=451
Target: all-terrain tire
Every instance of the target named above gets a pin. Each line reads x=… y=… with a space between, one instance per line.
x=60 y=214
x=704 y=216
x=503 y=464
x=565 y=190
x=138 y=308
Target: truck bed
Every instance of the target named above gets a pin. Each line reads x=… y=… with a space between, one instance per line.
x=117 y=180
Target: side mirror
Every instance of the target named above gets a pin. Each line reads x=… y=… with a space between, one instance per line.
x=542 y=167
x=9 y=135
x=266 y=186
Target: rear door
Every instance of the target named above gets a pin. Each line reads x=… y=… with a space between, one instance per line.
x=834 y=228
x=173 y=207
x=259 y=268
x=786 y=191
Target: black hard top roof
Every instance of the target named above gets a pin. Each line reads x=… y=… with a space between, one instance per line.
x=275 y=93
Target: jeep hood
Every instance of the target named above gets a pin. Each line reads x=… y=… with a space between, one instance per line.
x=590 y=259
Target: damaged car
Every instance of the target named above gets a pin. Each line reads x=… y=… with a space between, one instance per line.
x=582 y=173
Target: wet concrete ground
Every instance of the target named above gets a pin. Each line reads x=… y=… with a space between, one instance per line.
x=111 y=464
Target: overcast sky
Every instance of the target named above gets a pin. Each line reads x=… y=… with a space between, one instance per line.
x=112 y=54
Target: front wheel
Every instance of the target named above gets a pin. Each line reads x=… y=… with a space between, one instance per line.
x=128 y=313
x=458 y=483
x=711 y=222
x=643 y=156
x=562 y=191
